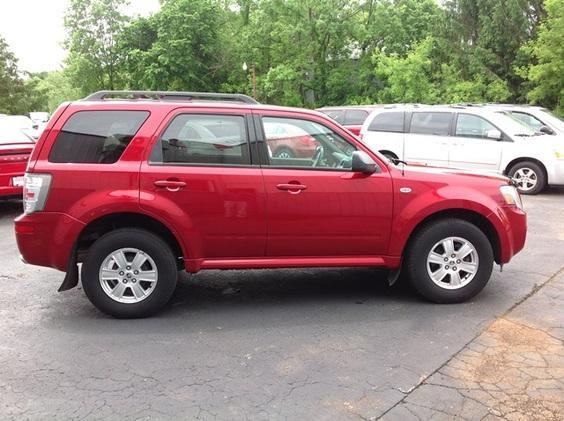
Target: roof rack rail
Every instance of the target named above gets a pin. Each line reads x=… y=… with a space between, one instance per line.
x=170 y=96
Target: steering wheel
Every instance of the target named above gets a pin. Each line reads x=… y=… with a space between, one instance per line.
x=319 y=152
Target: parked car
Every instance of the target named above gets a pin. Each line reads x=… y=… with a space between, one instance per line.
x=536 y=118
x=288 y=141
x=22 y=123
x=15 y=149
x=39 y=120
x=351 y=117
x=467 y=137
x=129 y=190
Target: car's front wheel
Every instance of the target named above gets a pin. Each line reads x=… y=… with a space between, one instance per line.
x=528 y=176
x=449 y=261
x=129 y=273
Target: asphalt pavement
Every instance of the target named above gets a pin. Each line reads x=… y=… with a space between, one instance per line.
x=319 y=344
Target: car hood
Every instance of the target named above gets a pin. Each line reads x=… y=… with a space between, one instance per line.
x=415 y=170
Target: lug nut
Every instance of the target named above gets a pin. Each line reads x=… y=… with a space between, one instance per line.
x=446 y=267
x=121 y=273
x=125 y=281
x=454 y=268
x=129 y=267
x=458 y=261
x=453 y=255
x=134 y=280
x=446 y=259
x=136 y=272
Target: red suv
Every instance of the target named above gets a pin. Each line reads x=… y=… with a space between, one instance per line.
x=141 y=187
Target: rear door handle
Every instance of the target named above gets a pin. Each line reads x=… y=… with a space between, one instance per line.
x=292 y=188
x=172 y=185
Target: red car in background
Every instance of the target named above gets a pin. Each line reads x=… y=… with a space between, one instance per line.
x=350 y=117
x=15 y=149
x=288 y=141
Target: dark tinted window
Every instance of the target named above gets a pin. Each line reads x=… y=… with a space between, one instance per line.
x=391 y=121
x=431 y=123
x=204 y=139
x=96 y=136
x=337 y=115
x=356 y=117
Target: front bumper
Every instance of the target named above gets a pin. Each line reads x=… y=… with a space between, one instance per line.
x=47 y=238
x=511 y=225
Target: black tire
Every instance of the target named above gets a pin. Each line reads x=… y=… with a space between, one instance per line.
x=151 y=245
x=423 y=243
x=535 y=170
x=284 y=151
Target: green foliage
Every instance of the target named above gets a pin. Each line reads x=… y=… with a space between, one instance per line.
x=308 y=52
x=11 y=85
x=548 y=74
x=94 y=59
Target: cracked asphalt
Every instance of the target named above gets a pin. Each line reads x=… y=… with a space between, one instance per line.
x=291 y=344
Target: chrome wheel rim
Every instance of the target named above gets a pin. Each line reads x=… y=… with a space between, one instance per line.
x=284 y=155
x=128 y=275
x=452 y=263
x=526 y=179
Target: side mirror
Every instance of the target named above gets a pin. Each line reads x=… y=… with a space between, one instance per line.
x=546 y=130
x=363 y=163
x=493 y=134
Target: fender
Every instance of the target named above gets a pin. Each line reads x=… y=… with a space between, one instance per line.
x=409 y=214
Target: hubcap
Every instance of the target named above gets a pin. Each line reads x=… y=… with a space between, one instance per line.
x=452 y=263
x=525 y=178
x=128 y=275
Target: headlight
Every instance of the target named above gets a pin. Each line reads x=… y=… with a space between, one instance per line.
x=511 y=196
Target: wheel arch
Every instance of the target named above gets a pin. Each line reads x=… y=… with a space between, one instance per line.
x=525 y=159
x=470 y=216
x=104 y=224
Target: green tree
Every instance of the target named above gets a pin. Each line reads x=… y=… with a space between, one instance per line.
x=177 y=48
x=11 y=84
x=57 y=88
x=94 y=60
x=548 y=74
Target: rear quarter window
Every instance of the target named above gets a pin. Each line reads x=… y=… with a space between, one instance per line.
x=96 y=137
x=391 y=121
x=356 y=117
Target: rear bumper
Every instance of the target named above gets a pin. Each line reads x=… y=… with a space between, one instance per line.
x=511 y=226
x=6 y=187
x=47 y=238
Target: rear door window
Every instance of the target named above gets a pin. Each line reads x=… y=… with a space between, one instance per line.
x=390 y=121
x=96 y=137
x=204 y=139
x=355 y=117
x=437 y=124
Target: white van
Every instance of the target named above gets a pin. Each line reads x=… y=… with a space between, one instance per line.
x=469 y=138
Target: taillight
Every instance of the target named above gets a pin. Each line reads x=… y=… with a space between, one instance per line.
x=36 y=188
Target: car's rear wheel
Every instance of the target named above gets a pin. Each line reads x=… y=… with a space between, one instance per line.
x=129 y=273
x=528 y=176
x=284 y=153
x=449 y=261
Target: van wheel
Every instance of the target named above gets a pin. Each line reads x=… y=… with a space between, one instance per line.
x=449 y=261
x=284 y=153
x=528 y=176
x=129 y=273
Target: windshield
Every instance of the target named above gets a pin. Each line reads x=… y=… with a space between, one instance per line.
x=10 y=135
x=553 y=119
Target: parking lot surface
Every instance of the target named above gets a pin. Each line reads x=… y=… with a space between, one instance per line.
x=281 y=344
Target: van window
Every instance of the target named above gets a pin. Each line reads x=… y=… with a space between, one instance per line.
x=355 y=117
x=391 y=121
x=473 y=126
x=431 y=123
x=337 y=115
x=96 y=137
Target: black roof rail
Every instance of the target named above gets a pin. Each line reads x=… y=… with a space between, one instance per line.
x=170 y=96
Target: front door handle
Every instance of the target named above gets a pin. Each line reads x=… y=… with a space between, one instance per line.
x=171 y=185
x=291 y=187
